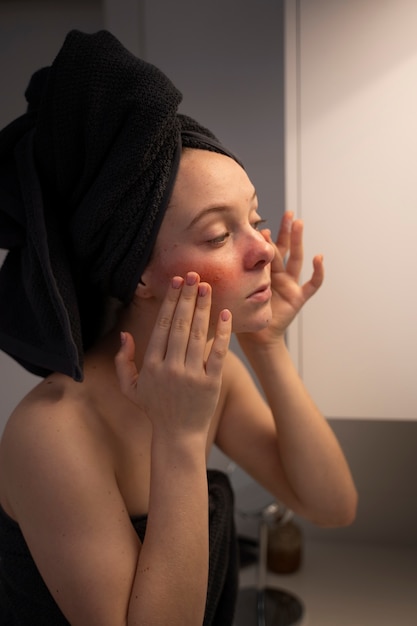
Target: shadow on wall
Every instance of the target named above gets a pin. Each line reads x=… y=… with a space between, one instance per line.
x=383 y=459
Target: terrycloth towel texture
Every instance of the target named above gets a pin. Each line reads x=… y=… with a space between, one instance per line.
x=25 y=599
x=85 y=178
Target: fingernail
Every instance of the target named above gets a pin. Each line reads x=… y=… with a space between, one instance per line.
x=122 y=338
x=202 y=289
x=176 y=282
x=191 y=279
x=225 y=315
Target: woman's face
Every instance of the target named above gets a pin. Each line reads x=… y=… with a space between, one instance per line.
x=212 y=227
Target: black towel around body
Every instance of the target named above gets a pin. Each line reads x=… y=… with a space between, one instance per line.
x=25 y=600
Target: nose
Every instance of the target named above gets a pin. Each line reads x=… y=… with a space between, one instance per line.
x=259 y=252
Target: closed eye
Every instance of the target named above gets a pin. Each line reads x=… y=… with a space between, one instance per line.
x=217 y=241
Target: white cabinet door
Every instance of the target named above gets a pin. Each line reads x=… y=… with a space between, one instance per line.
x=351 y=144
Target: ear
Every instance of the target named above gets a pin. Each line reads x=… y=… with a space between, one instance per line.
x=143 y=290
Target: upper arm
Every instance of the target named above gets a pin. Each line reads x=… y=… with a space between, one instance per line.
x=247 y=433
x=66 y=500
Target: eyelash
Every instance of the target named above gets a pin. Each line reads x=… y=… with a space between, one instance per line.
x=217 y=241
x=258 y=223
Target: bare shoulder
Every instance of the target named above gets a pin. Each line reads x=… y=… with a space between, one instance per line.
x=243 y=402
x=58 y=481
x=235 y=373
x=47 y=435
x=246 y=417
x=46 y=415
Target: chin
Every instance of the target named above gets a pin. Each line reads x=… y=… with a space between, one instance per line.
x=251 y=326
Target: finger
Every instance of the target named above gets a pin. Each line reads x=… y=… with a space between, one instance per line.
x=199 y=327
x=277 y=263
x=126 y=369
x=220 y=345
x=158 y=341
x=284 y=234
x=296 y=255
x=179 y=333
x=316 y=280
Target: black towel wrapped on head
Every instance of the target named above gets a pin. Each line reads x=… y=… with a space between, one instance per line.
x=85 y=178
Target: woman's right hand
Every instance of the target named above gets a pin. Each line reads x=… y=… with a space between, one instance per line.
x=177 y=386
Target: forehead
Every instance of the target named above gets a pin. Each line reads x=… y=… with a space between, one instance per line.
x=207 y=179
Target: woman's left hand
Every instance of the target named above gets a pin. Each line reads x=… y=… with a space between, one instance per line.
x=288 y=296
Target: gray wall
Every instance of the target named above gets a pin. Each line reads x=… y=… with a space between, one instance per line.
x=226 y=57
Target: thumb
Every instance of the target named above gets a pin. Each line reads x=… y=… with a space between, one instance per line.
x=126 y=369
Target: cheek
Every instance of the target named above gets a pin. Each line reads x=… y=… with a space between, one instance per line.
x=217 y=276
x=221 y=275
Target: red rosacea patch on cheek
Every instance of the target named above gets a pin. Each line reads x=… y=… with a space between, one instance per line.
x=217 y=277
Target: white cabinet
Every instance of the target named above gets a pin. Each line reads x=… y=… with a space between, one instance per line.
x=351 y=146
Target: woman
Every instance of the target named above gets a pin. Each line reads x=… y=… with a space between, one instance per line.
x=109 y=192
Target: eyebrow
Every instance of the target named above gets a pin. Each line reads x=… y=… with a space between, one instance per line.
x=214 y=209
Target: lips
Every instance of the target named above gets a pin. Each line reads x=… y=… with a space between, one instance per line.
x=262 y=293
